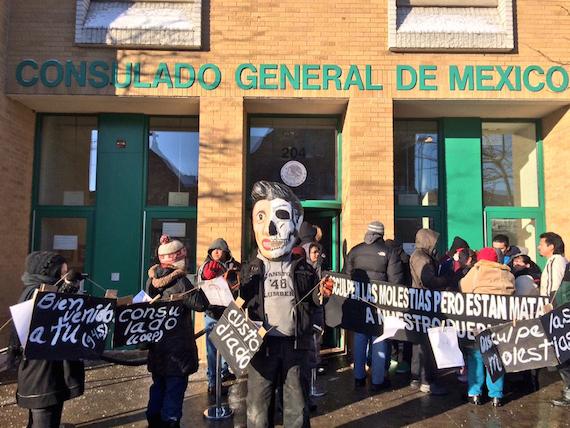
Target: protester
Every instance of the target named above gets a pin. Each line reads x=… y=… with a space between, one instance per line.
x=501 y=243
x=423 y=269
x=527 y=275
x=172 y=360
x=562 y=297
x=449 y=262
x=551 y=246
x=43 y=386
x=372 y=260
x=487 y=276
x=218 y=262
x=280 y=292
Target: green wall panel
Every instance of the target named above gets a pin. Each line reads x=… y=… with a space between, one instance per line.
x=118 y=217
x=464 y=194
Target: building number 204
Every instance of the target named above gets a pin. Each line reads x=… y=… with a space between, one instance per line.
x=292 y=152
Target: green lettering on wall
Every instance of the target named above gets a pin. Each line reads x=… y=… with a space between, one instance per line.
x=20 y=72
x=137 y=73
x=162 y=75
x=369 y=85
x=353 y=78
x=217 y=76
x=526 y=78
x=549 y=79
x=412 y=75
x=80 y=76
x=459 y=81
x=482 y=76
x=309 y=75
x=115 y=75
x=286 y=76
x=504 y=76
x=98 y=72
x=251 y=78
x=425 y=75
x=58 y=67
x=267 y=72
x=178 y=82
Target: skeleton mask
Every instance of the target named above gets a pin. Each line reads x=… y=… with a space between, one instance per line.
x=275 y=224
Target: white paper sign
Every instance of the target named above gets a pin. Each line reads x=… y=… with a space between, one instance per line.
x=445 y=347
x=217 y=291
x=174 y=230
x=73 y=198
x=65 y=242
x=391 y=326
x=178 y=199
x=141 y=297
x=22 y=317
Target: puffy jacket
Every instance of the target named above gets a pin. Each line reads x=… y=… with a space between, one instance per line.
x=304 y=279
x=423 y=265
x=487 y=277
x=376 y=262
x=562 y=295
x=176 y=355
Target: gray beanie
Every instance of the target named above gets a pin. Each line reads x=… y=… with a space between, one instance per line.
x=376 y=227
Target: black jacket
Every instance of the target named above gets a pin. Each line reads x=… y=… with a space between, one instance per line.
x=376 y=262
x=176 y=355
x=304 y=279
x=43 y=383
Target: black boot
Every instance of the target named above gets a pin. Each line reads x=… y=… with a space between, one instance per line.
x=154 y=421
x=171 y=424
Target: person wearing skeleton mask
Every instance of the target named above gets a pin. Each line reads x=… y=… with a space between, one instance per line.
x=280 y=292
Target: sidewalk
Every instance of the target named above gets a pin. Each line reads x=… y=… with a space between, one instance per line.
x=116 y=396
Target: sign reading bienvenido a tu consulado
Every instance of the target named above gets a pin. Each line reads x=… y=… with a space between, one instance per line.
x=309 y=77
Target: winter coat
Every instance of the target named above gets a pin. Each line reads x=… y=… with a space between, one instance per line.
x=304 y=279
x=397 y=247
x=376 y=262
x=447 y=265
x=423 y=265
x=176 y=355
x=552 y=274
x=43 y=383
x=487 y=277
x=562 y=295
x=211 y=269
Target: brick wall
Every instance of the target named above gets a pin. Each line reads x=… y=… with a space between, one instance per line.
x=16 y=143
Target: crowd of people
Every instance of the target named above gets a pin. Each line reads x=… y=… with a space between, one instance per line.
x=284 y=288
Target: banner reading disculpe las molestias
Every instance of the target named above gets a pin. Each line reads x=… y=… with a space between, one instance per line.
x=360 y=306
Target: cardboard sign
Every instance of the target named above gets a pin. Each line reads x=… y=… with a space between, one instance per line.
x=68 y=326
x=491 y=356
x=523 y=346
x=353 y=315
x=237 y=338
x=146 y=323
x=556 y=325
x=445 y=347
x=217 y=291
x=423 y=309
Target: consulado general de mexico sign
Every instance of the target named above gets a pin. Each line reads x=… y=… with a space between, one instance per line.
x=308 y=77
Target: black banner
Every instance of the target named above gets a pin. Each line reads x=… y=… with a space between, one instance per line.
x=353 y=315
x=237 y=338
x=556 y=325
x=491 y=355
x=146 y=323
x=422 y=309
x=69 y=326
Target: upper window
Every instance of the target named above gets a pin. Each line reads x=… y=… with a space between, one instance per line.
x=300 y=152
x=156 y=24
x=510 y=173
x=457 y=25
x=68 y=160
x=173 y=148
x=416 y=163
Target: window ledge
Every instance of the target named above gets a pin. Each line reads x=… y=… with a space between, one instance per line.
x=139 y=24
x=482 y=29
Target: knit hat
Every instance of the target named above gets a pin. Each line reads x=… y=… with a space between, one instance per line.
x=376 y=227
x=374 y=232
x=488 y=254
x=171 y=252
x=46 y=263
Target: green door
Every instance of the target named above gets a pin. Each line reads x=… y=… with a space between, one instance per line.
x=118 y=214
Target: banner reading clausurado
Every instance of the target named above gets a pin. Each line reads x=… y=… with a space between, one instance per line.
x=421 y=309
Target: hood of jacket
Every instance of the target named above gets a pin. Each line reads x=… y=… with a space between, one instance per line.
x=457 y=243
x=426 y=239
x=220 y=244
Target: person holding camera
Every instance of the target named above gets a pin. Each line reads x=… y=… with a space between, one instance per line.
x=218 y=262
x=43 y=386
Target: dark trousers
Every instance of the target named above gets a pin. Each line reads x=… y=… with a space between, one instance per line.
x=564 y=371
x=166 y=396
x=423 y=364
x=277 y=361
x=47 y=417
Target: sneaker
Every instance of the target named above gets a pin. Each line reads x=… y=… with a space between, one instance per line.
x=433 y=389
x=497 y=402
x=415 y=384
x=474 y=399
x=561 y=402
